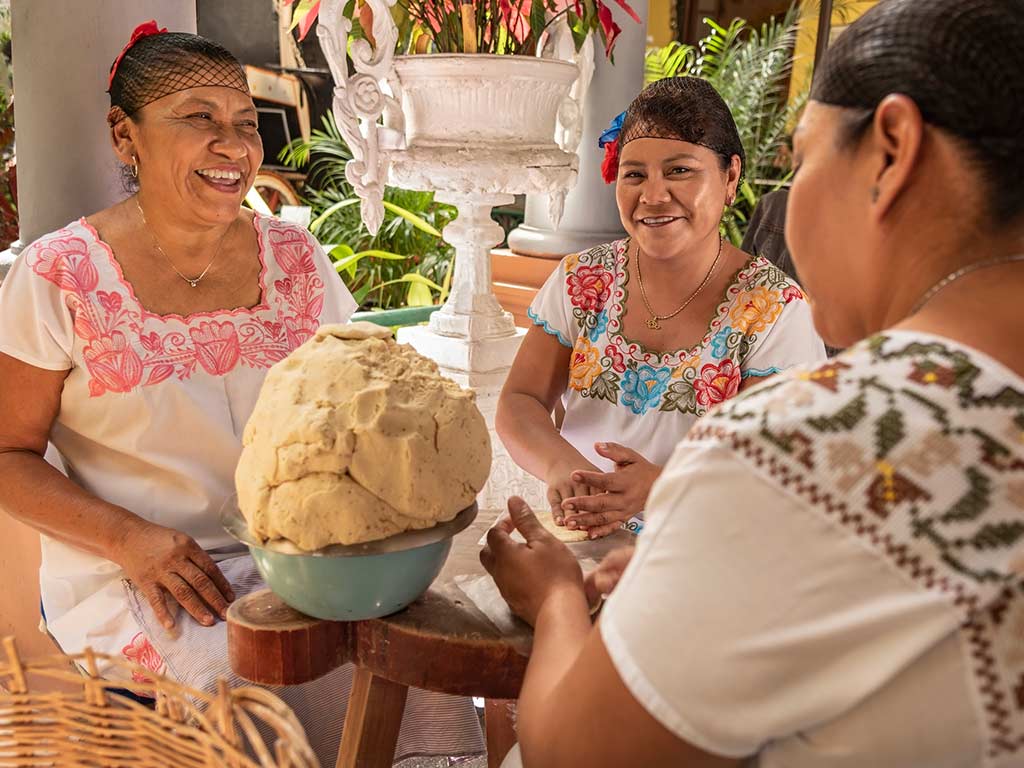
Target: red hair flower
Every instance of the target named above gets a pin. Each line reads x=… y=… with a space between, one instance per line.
x=610 y=165
x=145 y=29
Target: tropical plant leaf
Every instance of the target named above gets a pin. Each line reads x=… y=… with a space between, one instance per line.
x=337 y=220
x=419 y=295
x=350 y=261
x=412 y=218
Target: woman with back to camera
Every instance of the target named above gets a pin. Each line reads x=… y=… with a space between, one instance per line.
x=832 y=572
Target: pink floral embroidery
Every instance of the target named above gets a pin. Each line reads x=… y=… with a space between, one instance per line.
x=292 y=251
x=217 y=346
x=141 y=652
x=114 y=365
x=126 y=347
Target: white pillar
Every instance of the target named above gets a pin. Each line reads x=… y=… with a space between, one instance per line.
x=591 y=216
x=62 y=53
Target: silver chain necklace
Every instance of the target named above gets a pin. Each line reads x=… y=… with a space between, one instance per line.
x=193 y=281
x=952 y=277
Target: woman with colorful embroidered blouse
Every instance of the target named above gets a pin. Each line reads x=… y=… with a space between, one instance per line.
x=832 y=569
x=136 y=340
x=642 y=336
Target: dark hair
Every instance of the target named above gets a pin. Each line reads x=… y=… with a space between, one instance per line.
x=686 y=109
x=960 y=61
x=162 y=64
x=159 y=65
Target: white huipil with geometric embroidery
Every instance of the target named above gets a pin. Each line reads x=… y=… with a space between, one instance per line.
x=153 y=407
x=618 y=391
x=831 y=574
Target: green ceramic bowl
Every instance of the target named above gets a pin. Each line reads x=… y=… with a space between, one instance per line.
x=351 y=583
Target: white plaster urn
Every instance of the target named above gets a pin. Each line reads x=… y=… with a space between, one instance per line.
x=451 y=100
x=476 y=129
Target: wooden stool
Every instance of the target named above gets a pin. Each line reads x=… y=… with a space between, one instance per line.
x=442 y=642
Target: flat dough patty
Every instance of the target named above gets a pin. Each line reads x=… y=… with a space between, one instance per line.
x=560 y=532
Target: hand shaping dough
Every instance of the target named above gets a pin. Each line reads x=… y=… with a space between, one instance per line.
x=355 y=438
x=560 y=532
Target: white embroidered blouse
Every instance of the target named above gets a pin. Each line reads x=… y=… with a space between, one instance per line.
x=620 y=391
x=832 y=571
x=153 y=407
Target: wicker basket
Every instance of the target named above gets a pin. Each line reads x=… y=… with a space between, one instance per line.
x=88 y=726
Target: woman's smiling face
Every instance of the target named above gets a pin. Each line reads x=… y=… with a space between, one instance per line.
x=198 y=151
x=671 y=193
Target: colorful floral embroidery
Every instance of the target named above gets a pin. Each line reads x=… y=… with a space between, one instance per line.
x=717 y=383
x=584 y=366
x=720 y=343
x=140 y=651
x=643 y=387
x=918 y=451
x=618 y=362
x=125 y=347
x=756 y=310
x=626 y=373
x=599 y=327
x=791 y=293
x=589 y=288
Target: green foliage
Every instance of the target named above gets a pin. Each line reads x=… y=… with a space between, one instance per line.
x=406 y=263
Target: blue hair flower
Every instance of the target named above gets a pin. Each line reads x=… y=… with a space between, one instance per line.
x=611 y=133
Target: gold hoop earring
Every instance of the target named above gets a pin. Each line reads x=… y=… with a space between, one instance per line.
x=135 y=167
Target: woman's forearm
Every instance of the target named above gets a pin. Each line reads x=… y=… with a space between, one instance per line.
x=34 y=493
x=561 y=630
x=529 y=434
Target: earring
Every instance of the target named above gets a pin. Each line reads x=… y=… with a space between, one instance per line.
x=874 y=194
x=135 y=167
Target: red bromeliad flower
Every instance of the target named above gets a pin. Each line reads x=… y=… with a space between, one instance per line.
x=513 y=17
x=516 y=18
x=304 y=15
x=608 y=26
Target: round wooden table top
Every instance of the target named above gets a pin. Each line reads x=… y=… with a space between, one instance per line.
x=442 y=642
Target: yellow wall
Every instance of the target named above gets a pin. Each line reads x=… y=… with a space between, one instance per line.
x=803 y=64
x=659 y=22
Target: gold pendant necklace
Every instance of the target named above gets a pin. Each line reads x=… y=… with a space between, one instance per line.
x=193 y=281
x=653 y=323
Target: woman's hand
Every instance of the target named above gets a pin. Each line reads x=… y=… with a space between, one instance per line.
x=528 y=574
x=615 y=496
x=562 y=486
x=158 y=559
x=602 y=580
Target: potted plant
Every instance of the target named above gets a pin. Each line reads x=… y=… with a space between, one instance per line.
x=459 y=74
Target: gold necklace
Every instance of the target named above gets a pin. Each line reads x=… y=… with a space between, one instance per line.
x=653 y=323
x=193 y=281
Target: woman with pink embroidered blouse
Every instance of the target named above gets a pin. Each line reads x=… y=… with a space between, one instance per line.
x=136 y=340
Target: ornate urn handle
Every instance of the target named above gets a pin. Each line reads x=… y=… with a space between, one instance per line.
x=359 y=100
